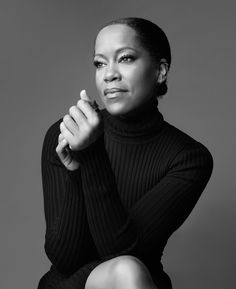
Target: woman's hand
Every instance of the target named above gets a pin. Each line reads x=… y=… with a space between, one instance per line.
x=64 y=154
x=79 y=129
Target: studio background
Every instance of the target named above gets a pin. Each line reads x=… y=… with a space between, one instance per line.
x=46 y=59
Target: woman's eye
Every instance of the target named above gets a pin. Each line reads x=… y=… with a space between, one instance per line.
x=126 y=58
x=97 y=63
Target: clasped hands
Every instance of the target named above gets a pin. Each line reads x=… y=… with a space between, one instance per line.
x=79 y=129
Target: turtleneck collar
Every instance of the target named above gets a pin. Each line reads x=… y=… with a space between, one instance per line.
x=143 y=124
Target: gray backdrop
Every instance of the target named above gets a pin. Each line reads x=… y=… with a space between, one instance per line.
x=46 y=59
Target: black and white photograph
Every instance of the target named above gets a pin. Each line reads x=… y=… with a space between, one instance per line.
x=118 y=152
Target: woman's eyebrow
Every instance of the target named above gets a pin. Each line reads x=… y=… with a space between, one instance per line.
x=117 y=51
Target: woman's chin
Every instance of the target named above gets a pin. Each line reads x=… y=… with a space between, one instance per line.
x=116 y=108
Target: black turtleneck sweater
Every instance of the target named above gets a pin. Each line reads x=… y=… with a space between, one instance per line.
x=135 y=186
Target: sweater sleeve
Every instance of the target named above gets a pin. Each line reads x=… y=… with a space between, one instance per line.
x=67 y=236
x=155 y=216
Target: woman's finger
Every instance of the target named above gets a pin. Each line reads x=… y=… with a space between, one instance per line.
x=62 y=150
x=60 y=137
x=86 y=109
x=70 y=124
x=65 y=132
x=78 y=115
x=84 y=96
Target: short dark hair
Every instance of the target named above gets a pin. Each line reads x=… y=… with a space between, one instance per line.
x=152 y=38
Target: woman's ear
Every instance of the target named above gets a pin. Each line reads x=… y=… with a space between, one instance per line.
x=163 y=71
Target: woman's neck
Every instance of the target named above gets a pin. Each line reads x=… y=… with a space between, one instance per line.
x=141 y=112
x=140 y=125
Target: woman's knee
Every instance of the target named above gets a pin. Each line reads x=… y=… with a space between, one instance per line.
x=112 y=273
x=100 y=276
x=128 y=267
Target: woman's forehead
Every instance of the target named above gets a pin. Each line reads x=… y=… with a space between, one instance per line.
x=115 y=37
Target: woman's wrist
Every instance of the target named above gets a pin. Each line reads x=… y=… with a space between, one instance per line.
x=89 y=152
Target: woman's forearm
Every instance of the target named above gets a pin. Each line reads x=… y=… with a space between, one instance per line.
x=67 y=231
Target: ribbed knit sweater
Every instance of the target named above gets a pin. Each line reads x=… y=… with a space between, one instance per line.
x=136 y=184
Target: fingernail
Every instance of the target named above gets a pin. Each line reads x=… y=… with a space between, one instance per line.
x=81 y=93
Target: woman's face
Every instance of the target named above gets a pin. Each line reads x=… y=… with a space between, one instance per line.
x=126 y=75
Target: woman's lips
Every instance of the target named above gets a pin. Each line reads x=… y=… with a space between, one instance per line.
x=112 y=91
x=114 y=94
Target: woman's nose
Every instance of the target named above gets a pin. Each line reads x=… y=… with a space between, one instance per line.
x=111 y=73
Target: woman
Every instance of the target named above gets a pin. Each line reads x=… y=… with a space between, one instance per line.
x=119 y=181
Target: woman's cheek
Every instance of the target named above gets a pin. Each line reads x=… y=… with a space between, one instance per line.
x=99 y=84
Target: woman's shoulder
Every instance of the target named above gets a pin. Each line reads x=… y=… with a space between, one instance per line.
x=50 y=143
x=53 y=129
x=180 y=143
x=51 y=135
